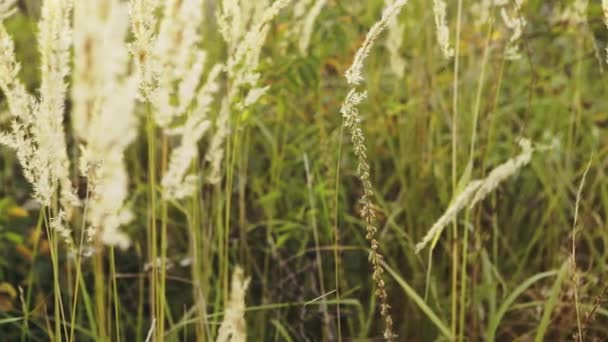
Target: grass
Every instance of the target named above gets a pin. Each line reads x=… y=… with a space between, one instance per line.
x=287 y=206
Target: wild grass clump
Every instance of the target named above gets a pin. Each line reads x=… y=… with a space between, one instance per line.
x=176 y=171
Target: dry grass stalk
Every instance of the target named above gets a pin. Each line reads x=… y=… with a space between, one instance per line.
x=349 y=111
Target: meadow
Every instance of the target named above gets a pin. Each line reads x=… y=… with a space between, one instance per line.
x=303 y=170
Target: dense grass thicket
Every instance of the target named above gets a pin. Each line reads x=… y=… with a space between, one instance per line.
x=306 y=170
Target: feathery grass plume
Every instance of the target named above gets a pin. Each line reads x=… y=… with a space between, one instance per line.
x=57 y=224
x=177 y=183
x=459 y=203
x=7 y=8
x=178 y=62
x=476 y=191
x=215 y=154
x=394 y=41
x=37 y=133
x=441 y=25
x=175 y=68
x=143 y=25
x=306 y=16
x=575 y=14
x=245 y=46
x=245 y=35
x=349 y=111
x=481 y=11
x=234 y=327
x=55 y=41
x=605 y=9
x=354 y=74
x=504 y=171
x=516 y=23
x=105 y=123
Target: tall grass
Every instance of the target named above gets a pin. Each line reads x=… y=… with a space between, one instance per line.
x=178 y=171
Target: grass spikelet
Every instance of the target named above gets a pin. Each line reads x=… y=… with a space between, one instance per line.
x=441 y=25
x=234 y=327
x=516 y=23
x=349 y=111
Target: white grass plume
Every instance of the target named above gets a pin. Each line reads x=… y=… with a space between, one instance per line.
x=307 y=25
x=104 y=123
x=394 y=41
x=460 y=202
x=442 y=29
x=178 y=61
x=516 y=23
x=354 y=74
x=176 y=182
x=244 y=39
x=504 y=171
x=37 y=133
x=476 y=191
x=143 y=25
x=234 y=327
x=7 y=8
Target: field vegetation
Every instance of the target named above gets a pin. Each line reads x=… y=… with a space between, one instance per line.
x=303 y=170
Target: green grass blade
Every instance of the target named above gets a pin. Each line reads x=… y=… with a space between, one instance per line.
x=420 y=302
x=504 y=307
x=550 y=304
